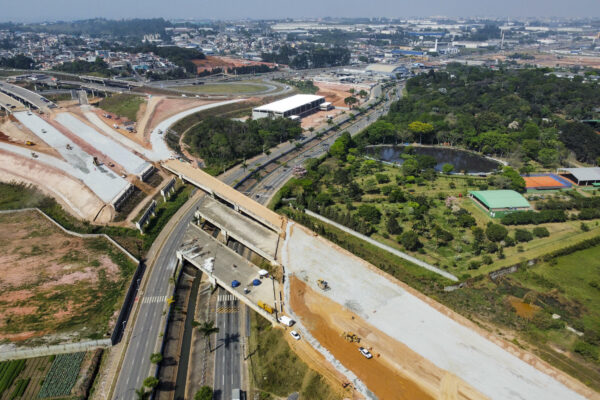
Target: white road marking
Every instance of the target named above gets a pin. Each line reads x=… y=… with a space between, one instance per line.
x=154 y=299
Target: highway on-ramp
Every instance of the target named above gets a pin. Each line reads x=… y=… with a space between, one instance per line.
x=136 y=364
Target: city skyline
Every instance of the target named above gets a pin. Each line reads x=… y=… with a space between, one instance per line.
x=65 y=10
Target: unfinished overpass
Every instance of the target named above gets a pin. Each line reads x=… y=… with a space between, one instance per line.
x=236 y=215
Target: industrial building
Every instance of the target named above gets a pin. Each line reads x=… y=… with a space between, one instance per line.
x=581 y=176
x=500 y=202
x=389 y=70
x=298 y=106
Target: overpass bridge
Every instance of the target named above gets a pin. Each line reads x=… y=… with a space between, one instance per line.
x=10 y=104
x=110 y=81
x=230 y=197
x=27 y=97
x=222 y=266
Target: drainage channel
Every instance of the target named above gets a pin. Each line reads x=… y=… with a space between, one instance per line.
x=184 y=359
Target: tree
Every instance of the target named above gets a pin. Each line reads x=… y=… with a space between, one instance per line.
x=205 y=393
x=410 y=240
x=369 y=213
x=207 y=328
x=363 y=93
x=141 y=394
x=392 y=226
x=350 y=101
x=447 y=168
x=496 y=233
x=151 y=382
x=418 y=127
x=540 y=231
x=410 y=167
x=156 y=358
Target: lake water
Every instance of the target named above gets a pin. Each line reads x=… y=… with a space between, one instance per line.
x=461 y=159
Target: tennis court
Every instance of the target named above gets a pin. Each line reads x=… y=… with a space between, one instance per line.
x=548 y=181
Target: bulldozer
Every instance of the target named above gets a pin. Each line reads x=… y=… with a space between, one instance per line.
x=323 y=285
x=351 y=337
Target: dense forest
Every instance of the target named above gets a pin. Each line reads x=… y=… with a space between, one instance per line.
x=223 y=142
x=311 y=57
x=97 y=67
x=19 y=61
x=523 y=115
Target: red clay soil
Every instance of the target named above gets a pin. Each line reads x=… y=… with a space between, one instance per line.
x=212 y=62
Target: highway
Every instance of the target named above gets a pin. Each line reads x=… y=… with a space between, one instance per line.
x=26 y=96
x=136 y=364
x=227 y=375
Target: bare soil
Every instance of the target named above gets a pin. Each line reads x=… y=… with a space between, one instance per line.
x=394 y=372
x=48 y=279
x=336 y=93
x=212 y=62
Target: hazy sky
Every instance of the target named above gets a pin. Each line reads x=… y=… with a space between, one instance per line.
x=44 y=10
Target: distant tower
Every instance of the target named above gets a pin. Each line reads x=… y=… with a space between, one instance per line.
x=435 y=48
x=502 y=41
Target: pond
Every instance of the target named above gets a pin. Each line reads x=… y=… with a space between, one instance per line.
x=461 y=160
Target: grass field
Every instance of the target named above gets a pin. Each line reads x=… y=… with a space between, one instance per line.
x=123 y=105
x=276 y=371
x=56 y=285
x=225 y=88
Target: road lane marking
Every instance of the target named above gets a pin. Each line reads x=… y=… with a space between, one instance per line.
x=154 y=299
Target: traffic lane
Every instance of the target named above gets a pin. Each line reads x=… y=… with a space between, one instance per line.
x=145 y=332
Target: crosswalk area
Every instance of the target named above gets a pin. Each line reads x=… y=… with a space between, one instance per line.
x=154 y=299
x=227 y=303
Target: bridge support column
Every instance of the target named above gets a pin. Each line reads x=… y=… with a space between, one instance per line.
x=213 y=281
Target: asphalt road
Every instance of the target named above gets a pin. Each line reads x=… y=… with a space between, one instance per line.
x=136 y=364
x=227 y=375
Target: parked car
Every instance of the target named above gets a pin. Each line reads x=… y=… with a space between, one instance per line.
x=295 y=335
x=365 y=352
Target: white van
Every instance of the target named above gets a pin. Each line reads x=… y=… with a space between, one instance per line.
x=286 y=320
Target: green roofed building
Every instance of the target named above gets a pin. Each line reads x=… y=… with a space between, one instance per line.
x=500 y=202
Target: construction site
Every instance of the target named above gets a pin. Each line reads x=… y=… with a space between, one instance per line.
x=342 y=304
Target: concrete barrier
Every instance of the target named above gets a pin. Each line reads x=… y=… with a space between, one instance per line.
x=168 y=189
x=31 y=352
x=122 y=197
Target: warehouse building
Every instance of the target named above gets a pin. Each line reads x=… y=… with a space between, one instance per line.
x=500 y=202
x=297 y=106
x=582 y=176
x=389 y=70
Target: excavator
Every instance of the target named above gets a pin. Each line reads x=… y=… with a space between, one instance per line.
x=323 y=285
x=351 y=337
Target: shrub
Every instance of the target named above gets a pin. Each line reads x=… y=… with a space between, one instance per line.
x=410 y=240
x=205 y=393
x=474 y=264
x=540 y=231
x=496 y=233
x=523 y=235
x=586 y=350
x=151 y=382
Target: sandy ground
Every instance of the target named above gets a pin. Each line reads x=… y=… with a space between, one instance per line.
x=336 y=93
x=211 y=62
x=319 y=118
x=395 y=372
x=15 y=133
x=35 y=260
x=447 y=340
x=71 y=193
x=165 y=107
x=552 y=60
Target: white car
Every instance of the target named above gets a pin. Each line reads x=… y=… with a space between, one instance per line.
x=365 y=352
x=295 y=335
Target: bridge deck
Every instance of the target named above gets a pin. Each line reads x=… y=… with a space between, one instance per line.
x=243 y=229
x=229 y=266
x=7 y=102
x=208 y=183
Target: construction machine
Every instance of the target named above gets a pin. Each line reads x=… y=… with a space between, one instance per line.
x=29 y=143
x=351 y=337
x=323 y=285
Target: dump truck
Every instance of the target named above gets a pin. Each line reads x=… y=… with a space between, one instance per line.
x=323 y=285
x=351 y=337
x=265 y=307
x=97 y=162
x=69 y=147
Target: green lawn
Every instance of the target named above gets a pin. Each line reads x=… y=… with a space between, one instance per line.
x=123 y=105
x=224 y=88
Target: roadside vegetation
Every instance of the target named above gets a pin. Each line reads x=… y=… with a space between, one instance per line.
x=303 y=86
x=123 y=105
x=527 y=116
x=276 y=371
x=221 y=142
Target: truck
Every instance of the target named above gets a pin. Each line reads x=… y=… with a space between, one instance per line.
x=286 y=320
x=265 y=307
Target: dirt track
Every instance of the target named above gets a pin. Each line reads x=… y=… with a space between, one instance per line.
x=395 y=372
